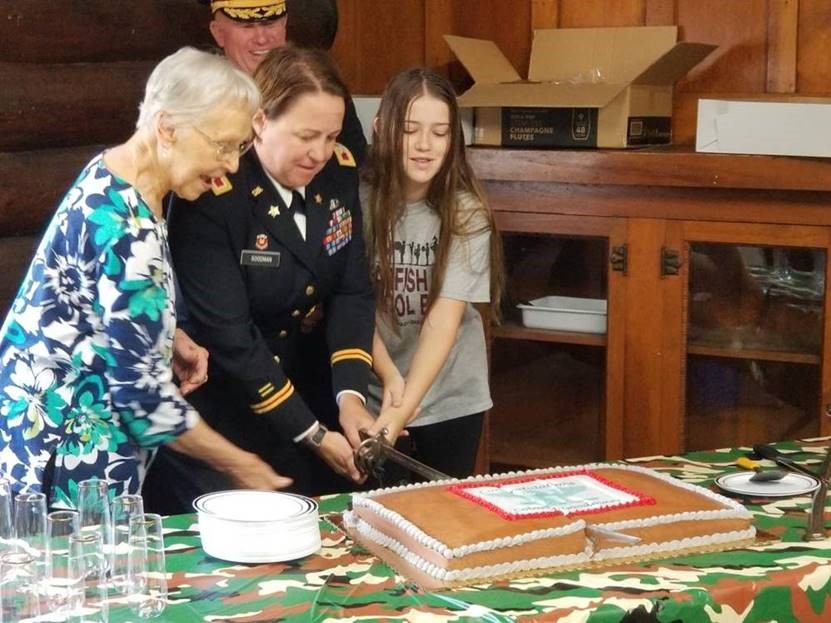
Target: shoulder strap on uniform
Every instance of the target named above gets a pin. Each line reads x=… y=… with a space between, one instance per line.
x=344 y=156
x=220 y=185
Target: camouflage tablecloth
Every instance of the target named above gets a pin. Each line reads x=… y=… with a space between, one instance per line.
x=782 y=579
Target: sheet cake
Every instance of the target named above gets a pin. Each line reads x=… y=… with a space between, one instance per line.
x=486 y=527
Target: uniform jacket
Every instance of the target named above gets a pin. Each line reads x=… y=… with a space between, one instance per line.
x=249 y=279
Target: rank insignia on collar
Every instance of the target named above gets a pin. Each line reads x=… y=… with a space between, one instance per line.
x=344 y=156
x=274 y=211
x=318 y=198
x=220 y=185
x=261 y=242
x=256 y=191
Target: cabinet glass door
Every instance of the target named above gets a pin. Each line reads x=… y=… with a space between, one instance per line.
x=754 y=343
x=549 y=356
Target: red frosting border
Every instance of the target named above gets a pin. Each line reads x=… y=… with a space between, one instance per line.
x=460 y=489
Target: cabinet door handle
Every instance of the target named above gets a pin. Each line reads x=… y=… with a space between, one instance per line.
x=670 y=261
x=618 y=258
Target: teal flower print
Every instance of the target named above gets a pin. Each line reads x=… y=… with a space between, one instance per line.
x=32 y=402
x=89 y=428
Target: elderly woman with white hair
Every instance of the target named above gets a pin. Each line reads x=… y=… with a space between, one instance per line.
x=89 y=347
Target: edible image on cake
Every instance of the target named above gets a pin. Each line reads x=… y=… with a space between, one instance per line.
x=566 y=493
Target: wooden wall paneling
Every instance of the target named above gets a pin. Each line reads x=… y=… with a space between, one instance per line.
x=545 y=14
x=600 y=13
x=67 y=105
x=32 y=183
x=738 y=66
x=661 y=13
x=390 y=37
x=506 y=23
x=69 y=31
x=813 y=74
x=685 y=115
x=739 y=28
x=345 y=48
x=15 y=255
x=438 y=21
x=783 y=33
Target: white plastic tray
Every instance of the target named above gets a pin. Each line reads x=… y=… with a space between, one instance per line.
x=565 y=313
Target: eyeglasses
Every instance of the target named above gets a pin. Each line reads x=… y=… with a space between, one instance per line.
x=223 y=150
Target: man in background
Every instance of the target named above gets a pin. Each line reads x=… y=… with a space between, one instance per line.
x=247 y=30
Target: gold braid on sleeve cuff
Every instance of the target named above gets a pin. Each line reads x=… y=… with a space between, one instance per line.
x=272 y=400
x=351 y=353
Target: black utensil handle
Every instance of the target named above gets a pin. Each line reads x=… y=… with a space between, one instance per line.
x=769 y=452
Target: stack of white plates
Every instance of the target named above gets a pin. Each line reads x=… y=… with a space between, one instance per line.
x=257 y=526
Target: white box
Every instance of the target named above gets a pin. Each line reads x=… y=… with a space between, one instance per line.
x=796 y=127
x=565 y=313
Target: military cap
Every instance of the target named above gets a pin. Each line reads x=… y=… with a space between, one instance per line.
x=249 y=10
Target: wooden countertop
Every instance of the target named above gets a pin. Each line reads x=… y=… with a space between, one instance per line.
x=674 y=166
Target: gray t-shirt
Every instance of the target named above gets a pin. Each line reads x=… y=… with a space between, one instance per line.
x=461 y=388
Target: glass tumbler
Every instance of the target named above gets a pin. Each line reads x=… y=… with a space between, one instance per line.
x=94 y=514
x=18 y=587
x=147 y=577
x=63 y=588
x=124 y=507
x=6 y=524
x=30 y=529
x=86 y=555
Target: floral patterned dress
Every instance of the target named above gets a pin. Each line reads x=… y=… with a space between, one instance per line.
x=85 y=352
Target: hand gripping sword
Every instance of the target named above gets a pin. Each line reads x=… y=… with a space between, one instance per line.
x=375 y=450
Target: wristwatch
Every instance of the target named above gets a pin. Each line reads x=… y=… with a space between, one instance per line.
x=314 y=440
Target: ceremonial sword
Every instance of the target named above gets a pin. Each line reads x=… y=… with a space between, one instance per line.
x=375 y=449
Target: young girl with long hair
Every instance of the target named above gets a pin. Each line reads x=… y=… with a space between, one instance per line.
x=435 y=252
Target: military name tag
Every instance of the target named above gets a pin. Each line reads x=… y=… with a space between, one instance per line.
x=266 y=259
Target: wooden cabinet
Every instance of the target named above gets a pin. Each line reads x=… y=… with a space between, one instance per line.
x=716 y=334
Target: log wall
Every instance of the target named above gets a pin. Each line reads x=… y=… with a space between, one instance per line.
x=71 y=77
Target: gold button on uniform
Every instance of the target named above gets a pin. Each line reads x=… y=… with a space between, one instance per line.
x=310 y=290
x=283 y=333
x=295 y=313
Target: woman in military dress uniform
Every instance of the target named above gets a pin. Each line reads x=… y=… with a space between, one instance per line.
x=256 y=256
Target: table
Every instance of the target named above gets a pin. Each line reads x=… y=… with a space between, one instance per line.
x=781 y=578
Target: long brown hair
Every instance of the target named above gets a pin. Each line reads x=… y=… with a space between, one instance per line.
x=288 y=72
x=386 y=176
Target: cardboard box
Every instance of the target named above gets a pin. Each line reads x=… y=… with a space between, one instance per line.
x=787 y=127
x=586 y=87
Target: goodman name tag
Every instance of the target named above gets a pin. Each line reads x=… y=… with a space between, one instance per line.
x=266 y=259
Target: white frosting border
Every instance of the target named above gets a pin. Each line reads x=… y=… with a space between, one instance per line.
x=733 y=510
x=460 y=575
x=694 y=542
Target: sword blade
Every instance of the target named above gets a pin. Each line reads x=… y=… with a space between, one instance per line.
x=391 y=454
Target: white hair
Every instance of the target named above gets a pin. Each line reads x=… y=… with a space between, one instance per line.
x=190 y=83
